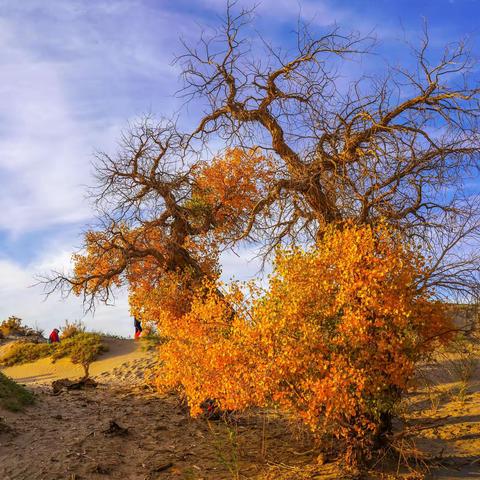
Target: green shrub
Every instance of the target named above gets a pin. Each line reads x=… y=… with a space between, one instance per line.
x=24 y=352
x=13 y=396
x=82 y=349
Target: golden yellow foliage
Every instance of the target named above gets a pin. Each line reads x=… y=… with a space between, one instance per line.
x=334 y=341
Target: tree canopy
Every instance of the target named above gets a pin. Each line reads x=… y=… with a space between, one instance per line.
x=360 y=189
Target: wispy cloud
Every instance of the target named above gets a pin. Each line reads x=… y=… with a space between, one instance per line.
x=19 y=296
x=72 y=75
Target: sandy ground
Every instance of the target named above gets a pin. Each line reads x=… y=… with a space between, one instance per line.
x=120 y=353
x=447 y=412
x=69 y=436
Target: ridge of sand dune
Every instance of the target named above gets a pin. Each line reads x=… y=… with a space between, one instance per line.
x=124 y=358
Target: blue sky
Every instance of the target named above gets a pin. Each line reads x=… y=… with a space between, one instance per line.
x=75 y=72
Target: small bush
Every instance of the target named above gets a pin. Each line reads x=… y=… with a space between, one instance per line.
x=82 y=349
x=151 y=341
x=13 y=397
x=13 y=325
x=71 y=329
x=24 y=352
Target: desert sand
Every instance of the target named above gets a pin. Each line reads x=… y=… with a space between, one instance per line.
x=126 y=430
x=71 y=435
x=120 y=352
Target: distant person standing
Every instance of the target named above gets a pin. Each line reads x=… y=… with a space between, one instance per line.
x=138 y=328
x=54 y=338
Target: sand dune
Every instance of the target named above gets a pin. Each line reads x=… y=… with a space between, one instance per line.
x=121 y=352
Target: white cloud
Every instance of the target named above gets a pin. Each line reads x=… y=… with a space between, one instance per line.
x=68 y=86
x=18 y=297
x=44 y=149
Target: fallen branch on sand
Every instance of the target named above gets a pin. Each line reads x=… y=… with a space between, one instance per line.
x=64 y=384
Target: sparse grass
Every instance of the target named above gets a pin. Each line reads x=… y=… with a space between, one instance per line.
x=24 y=352
x=453 y=365
x=151 y=341
x=227 y=448
x=435 y=397
x=461 y=360
x=108 y=334
x=13 y=397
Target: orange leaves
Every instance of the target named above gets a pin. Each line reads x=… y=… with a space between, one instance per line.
x=98 y=266
x=163 y=259
x=233 y=180
x=231 y=185
x=334 y=340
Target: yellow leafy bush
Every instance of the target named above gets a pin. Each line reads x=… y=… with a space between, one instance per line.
x=334 y=341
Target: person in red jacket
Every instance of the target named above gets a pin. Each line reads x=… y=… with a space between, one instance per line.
x=54 y=338
x=138 y=328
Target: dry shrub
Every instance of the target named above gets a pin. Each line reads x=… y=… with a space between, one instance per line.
x=71 y=329
x=13 y=326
